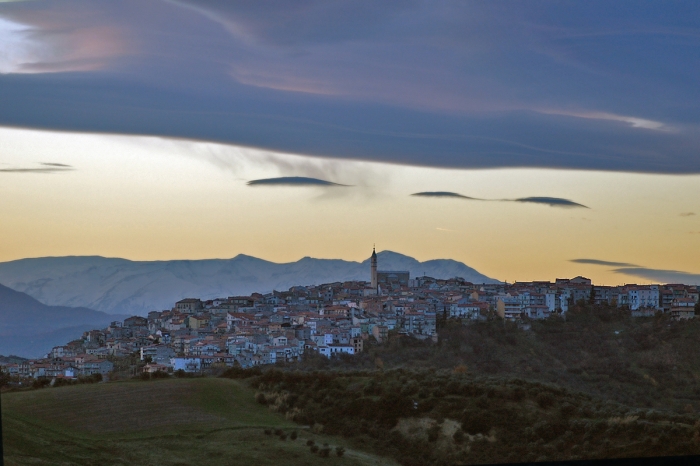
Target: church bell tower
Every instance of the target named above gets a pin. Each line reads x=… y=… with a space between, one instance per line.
x=374 y=269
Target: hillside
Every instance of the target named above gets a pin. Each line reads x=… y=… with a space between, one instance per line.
x=121 y=286
x=165 y=422
x=448 y=417
x=29 y=328
x=649 y=363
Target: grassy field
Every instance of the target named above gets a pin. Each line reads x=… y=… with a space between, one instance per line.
x=165 y=422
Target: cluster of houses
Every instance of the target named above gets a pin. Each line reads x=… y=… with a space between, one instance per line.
x=330 y=319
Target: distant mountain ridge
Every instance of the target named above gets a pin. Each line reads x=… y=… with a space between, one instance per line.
x=30 y=328
x=121 y=286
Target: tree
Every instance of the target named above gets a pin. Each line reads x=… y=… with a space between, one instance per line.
x=4 y=378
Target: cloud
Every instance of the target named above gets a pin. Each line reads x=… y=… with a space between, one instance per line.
x=633 y=122
x=687 y=214
x=654 y=275
x=660 y=275
x=34 y=170
x=551 y=201
x=458 y=84
x=294 y=181
x=604 y=263
x=46 y=168
x=48 y=41
x=445 y=194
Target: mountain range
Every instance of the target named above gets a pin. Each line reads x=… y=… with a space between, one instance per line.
x=29 y=328
x=121 y=286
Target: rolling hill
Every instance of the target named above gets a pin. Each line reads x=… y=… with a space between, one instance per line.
x=29 y=328
x=165 y=422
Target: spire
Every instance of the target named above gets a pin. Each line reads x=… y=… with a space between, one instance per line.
x=373 y=268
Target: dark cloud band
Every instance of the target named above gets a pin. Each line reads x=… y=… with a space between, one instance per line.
x=550 y=201
x=330 y=79
x=660 y=275
x=443 y=194
x=603 y=263
x=36 y=170
x=294 y=181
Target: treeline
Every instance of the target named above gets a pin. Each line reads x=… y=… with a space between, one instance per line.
x=601 y=350
x=442 y=417
x=63 y=382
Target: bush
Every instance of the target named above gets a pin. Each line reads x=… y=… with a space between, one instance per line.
x=63 y=382
x=325 y=452
x=544 y=399
x=94 y=378
x=41 y=383
x=310 y=443
x=314 y=448
x=293 y=435
x=260 y=398
x=240 y=373
x=433 y=433
x=339 y=451
x=476 y=422
x=4 y=378
x=268 y=432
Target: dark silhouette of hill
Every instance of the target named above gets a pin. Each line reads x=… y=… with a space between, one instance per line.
x=30 y=328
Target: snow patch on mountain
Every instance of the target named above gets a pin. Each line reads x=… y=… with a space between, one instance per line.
x=121 y=286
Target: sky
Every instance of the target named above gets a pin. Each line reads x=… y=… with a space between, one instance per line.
x=529 y=140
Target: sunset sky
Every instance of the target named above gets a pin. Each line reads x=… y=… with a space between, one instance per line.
x=131 y=128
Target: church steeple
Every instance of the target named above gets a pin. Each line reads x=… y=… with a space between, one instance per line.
x=374 y=268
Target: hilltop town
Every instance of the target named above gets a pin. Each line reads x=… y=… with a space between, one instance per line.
x=329 y=319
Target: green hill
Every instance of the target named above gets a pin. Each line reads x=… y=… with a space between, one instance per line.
x=163 y=422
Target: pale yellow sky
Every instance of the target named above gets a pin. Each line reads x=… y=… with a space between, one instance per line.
x=147 y=198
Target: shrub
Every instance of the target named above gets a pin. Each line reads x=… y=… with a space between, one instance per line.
x=293 y=435
x=325 y=452
x=433 y=433
x=310 y=443
x=544 y=399
x=476 y=422
x=339 y=451
x=4 y=378
x=41 y=383
x=63 y=382
x=314 y=448
x=268 y=432
x=260 y=398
